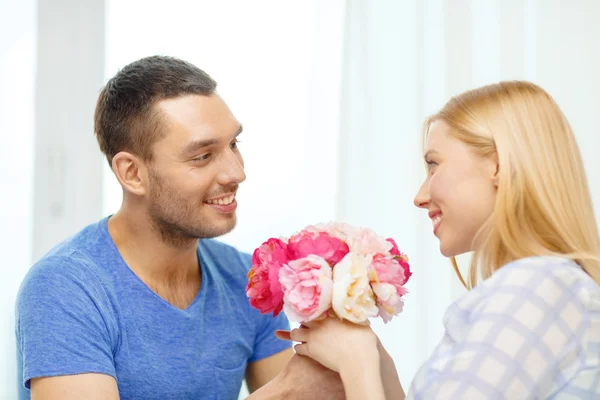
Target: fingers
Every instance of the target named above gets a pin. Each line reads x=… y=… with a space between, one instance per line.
x=296 y=335
x=301 y=349
x=310 y=324
x=299 y=335
x=283 y=335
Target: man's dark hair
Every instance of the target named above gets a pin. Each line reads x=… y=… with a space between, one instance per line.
x=125 y=119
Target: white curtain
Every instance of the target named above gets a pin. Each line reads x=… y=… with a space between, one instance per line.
x=402 y=61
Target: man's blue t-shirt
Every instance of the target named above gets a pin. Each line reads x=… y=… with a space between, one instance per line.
x=81 y=309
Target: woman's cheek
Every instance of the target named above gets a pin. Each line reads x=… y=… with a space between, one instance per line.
x=436 y=187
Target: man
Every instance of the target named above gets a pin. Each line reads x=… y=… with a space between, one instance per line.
x=144 y=304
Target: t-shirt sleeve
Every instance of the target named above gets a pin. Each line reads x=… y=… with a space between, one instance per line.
x=266 y=343
x=63 y=326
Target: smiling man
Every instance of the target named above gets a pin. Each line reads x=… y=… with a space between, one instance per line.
x=146 y=304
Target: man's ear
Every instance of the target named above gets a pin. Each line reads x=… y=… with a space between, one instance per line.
x=131 y=172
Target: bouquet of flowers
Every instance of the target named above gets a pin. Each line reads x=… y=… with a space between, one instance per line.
x=332 y=269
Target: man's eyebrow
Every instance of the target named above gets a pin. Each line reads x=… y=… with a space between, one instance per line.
x=199 y=144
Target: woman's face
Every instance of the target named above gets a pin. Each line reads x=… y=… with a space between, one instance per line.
x=459 y=191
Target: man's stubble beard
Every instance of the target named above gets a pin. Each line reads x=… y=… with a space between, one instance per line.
x=178 y=222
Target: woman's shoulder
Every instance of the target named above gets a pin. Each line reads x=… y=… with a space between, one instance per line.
x=542 y=283
x=538 y=287
x=543 y=274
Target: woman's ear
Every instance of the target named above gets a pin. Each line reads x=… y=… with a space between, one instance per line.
x=492 y=168
x=497 y=175
x=130 y=171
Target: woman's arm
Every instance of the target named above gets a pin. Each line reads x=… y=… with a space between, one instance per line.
x=366 y=369
x=362 y=379
x=389 y=375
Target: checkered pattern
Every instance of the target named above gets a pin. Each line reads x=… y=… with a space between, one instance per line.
x=531 y=331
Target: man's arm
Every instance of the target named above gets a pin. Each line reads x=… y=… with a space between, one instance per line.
x=64 y=333
x=302 y=378
x=259 y=373
x=75 y=387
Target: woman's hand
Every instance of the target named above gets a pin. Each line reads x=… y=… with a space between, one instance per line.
x=344 y=347
x=335 y=343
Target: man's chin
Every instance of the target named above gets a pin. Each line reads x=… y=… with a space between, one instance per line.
x=220 y=228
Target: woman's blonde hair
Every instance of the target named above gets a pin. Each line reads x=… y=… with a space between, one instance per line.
x=543 y=204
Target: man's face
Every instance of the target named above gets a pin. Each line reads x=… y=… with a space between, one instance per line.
x=196 y=169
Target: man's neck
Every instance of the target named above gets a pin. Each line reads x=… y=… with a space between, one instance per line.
x=147 y=254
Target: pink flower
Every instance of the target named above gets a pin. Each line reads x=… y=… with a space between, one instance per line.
x=394 y=251
x=340 y=230
x=366 y=241
x=264 y=289
x=353 y=299
x=307 y=288
x=405 y=266
x=332 y=269
x=387 y=279
x=320 y=244
x=401 y=258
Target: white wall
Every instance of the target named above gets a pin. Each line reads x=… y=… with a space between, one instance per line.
x=17 y=69
x=277 y=65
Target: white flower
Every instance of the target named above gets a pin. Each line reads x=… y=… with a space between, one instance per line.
x=353 y=298
x=389 y=302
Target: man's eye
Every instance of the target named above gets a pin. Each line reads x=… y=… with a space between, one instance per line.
x=202 y=157
x=234 y=144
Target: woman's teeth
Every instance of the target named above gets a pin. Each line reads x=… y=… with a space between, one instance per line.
x=435 y=220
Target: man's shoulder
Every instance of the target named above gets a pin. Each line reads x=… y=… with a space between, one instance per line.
x=92 y=236
x=73 y=260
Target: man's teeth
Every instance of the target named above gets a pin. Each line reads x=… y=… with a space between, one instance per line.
x=435 y=220
x=222 y=202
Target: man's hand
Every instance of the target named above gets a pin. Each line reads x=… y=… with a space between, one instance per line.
x=261 y=372
x=302 y=378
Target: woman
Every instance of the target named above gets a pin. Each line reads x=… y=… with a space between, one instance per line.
x=505 y=181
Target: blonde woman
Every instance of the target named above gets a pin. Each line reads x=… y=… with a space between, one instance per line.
x=505 y=181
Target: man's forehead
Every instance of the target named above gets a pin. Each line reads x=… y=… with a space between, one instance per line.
x=197 y=117
x=193 y=109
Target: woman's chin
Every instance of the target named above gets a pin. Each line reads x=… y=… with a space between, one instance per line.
x=450 y=250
